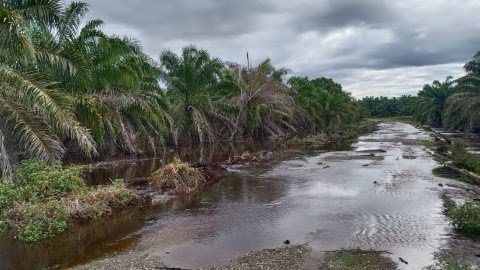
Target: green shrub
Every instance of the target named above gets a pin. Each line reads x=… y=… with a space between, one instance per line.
x=34 y=222
x=466 y=218
x=48 y=197
x=40 y=181
x=8 y=195
x=3 y=226
x=463 y=159
x=448 y=204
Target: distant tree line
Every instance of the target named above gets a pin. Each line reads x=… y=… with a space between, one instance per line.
x=453 y=104
x=382 y=107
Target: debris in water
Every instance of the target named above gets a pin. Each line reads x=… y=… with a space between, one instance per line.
x=151 y=219
x=440 y=185
x=403 y=260
x=365 y=165
x=326 y=167
x=375 y=182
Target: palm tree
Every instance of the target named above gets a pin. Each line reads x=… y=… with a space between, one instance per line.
x=463 y=107
x=432 y=100
x=115 y=92
x=35 y=115
x=192 y=79
x=325 y=102
x=259 y=100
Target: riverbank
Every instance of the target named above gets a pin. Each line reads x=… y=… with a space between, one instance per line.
x=62 y=197
x=377 y=194
x=303 y=257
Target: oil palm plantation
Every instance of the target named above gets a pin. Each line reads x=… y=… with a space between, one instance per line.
x=261 y=106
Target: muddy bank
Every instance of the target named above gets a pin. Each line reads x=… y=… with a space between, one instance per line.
x=321 y=199
x=303 y=257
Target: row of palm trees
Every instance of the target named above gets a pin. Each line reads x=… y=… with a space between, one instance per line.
x=383 y=107
x=68 y=88
x=451 y=104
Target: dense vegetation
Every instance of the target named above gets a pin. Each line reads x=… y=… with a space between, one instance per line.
x=50 y=197
x=68 y=90
x=384 y=107
x=451 y=104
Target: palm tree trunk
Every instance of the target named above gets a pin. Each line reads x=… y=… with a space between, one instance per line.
x=6 y=168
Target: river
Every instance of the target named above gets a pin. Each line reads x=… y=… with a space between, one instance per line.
x=380 y=194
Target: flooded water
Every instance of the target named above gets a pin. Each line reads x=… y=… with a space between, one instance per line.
x=380 y=195
x=133 y=169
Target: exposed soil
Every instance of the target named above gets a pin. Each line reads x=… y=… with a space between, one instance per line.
x=303 y=257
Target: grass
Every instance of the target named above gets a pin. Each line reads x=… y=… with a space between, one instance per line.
x=309 y=142
x=465 y=218
x=47 y=199
x=34 y=221
x=178 y=176
x=318 y=141
x=464 y=159
x=447 y=262
x=446 y=172
x=356 y=260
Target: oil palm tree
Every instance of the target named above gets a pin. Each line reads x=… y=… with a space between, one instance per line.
x=35 y=115
x=260 y=104
x=432 y=100
x=463 y=107
x=115 y=92
x=325 y=102
x=192 y=79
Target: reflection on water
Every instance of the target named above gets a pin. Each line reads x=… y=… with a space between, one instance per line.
x=131 y=169
x=325 y=199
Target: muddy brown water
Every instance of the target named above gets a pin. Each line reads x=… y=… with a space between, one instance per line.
x=328 y=200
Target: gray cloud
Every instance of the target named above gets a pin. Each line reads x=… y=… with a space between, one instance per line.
x=370 y=46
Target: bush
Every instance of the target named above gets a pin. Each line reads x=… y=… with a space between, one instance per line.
x=99 y=201
x=34 y=222
x=40 y=181
x=8 y=195
x=177 y=175
x=3 y=226
x=466 y=218
x=48 y=197
x=463 y=159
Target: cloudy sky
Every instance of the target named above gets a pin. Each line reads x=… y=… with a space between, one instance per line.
x=372 y=47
